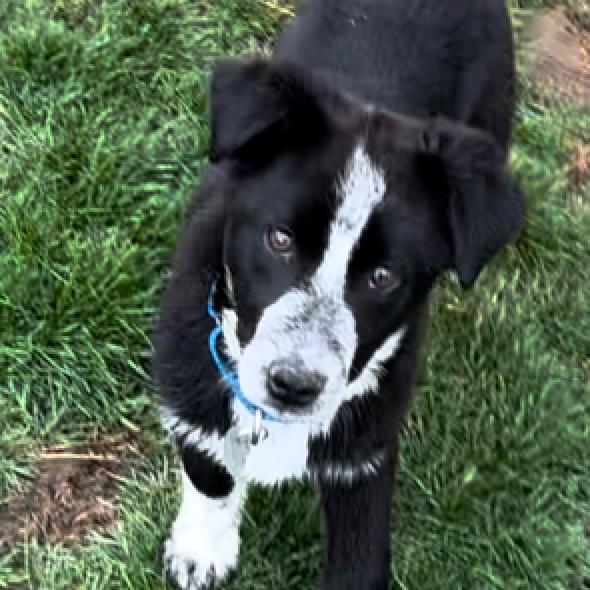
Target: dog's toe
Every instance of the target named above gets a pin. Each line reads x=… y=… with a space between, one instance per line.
x=191 y=569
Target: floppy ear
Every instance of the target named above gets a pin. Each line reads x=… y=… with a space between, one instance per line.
x=485 y=211
x=256 y=106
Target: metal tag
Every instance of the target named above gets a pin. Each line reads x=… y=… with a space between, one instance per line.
x=236 y=448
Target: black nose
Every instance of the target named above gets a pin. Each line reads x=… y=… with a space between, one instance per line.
x=292 y=385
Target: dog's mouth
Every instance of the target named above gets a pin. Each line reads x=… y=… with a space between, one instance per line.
x=294 y=410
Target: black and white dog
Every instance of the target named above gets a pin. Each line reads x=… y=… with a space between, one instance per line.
x=367 y=156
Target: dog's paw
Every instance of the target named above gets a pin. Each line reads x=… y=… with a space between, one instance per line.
x=195 y=561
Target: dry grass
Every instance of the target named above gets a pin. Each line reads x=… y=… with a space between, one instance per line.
x=561 y=56
x=72 y=493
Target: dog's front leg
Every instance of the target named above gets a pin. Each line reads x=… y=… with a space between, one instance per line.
x=203 y=546
x=357 y=516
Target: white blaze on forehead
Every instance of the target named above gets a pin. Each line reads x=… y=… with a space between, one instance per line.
x=361 y=188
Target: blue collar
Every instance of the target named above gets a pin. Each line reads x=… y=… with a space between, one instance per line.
x=227 y=373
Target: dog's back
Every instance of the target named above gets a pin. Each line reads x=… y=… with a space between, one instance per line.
x=416 y=57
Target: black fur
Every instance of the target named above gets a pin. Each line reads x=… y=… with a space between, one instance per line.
x=359 y=558
x=208 y=476
x=439 y=79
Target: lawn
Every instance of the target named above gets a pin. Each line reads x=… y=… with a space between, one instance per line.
x=103 y=133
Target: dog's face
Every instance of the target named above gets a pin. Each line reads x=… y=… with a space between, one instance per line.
x=339 y=218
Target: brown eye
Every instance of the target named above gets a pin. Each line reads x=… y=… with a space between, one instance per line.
x=280 y=241
x=384 y=279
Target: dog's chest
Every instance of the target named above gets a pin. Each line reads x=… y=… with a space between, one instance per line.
x=281 y=455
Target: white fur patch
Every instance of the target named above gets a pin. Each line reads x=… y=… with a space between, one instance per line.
x=345 y=473
x=204 y=541
x=191 y=436
x=283 y=453
x=229 y=321
x=368 y=380
x=361 y=188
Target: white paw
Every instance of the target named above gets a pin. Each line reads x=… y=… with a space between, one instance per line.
x=196 y=559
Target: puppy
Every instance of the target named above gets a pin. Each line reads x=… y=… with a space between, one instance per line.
x=366 y=157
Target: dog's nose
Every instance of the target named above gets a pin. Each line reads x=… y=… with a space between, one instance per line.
x=292 y=385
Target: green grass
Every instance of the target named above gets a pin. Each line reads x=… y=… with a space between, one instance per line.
x=103 y=131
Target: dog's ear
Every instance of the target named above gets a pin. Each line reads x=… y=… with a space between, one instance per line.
x=257 y=106
x=484 y=209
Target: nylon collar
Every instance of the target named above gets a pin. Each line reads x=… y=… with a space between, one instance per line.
x=227 y=373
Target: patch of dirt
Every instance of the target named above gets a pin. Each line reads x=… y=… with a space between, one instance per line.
x=578 y=11
x=579 y=171
x=72 y=493
x=560 y=54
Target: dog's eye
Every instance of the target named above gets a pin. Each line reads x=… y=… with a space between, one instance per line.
x=280 y=241
x=384 y=279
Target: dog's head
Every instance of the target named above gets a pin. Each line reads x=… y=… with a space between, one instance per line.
x=339 y=218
